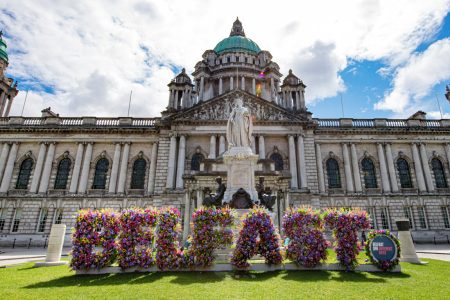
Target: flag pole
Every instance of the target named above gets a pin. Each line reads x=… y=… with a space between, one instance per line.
x=24 y=102
x=129 y=103
x=439 y=105
x=342 y=106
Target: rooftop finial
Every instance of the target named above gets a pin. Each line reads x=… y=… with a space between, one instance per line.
x=1 y=34
x=237 y=28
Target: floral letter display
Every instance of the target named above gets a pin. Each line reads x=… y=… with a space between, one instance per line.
x=257 y=222
x=94 y=228
x=304 y=228
x=136 y=237
x=206 y=237
x=168 y=253
x=345 y=225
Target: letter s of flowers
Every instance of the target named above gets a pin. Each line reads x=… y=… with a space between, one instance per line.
x=206 y=236
x=136 y=237
x=304 y=228
x=257 y=222
x=94 y=228
x=345 y=225
x=168 y=253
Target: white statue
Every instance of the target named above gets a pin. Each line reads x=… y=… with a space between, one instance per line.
x=239 y=127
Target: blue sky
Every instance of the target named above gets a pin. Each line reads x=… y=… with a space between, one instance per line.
x=384 y=58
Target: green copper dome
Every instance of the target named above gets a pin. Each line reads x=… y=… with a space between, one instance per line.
x=237 y=41
x=3 y=53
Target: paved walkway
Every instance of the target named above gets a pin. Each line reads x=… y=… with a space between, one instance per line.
x=9 y=256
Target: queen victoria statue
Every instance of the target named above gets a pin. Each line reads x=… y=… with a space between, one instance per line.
x=240 y=159
x=239 y=127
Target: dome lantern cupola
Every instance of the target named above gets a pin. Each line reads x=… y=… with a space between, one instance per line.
x=237 y=41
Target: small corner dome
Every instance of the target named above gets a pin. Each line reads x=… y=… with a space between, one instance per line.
x=237 y=42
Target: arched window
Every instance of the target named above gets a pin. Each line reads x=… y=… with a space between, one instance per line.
x=368 y=168
x=24 y=174
x=101 y=170
x=334 y=178
x=278 y=160
x=404 y=173
x=62 y=174
x=197 y=158
x=439 y=173
x=138 y=175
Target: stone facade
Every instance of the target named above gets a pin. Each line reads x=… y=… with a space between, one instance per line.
x=180 y=154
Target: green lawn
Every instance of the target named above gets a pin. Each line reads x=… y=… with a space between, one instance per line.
x=430 y=281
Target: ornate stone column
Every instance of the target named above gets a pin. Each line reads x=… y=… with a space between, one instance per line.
x=418 y=168
x=254 y=86
x=231 y=83
x=171 y=164
x=272 y=88
x=152 y=171
x=114 y=169
x=426 y=168
x=383 y=169
x=320 y=172
x=220 y=86
x=347 y=169
x=3 y=158
x=222 y=146
x=355 y=167
x=199 y=197
x=292 y=163
x=243 y=83
x=38 y=169
x=76 y=169
x=82 y=188
x=47 y=168
x=9 y=168
x=123 y=168
x=447 y=151
x=8 y=107
x=253 y=146
x=202 y=88
x=212 y=147
x=391 y=168
x=187 y=214
x=301 y=162
x=262 y=147
x=181 y=159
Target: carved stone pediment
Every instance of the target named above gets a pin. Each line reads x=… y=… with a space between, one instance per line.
x=219 y=109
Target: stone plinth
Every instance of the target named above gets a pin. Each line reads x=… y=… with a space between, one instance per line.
x=55 y=245
x=408 y=251
x=241 y=164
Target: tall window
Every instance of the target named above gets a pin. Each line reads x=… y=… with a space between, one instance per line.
x=334 y=178
x=101 y=170
x=373 y=217
x=197 y=158
x=439 y=173
x=62 y=174
x=24 y=174
x=138 y=175
x=404 y=173
x=42 y=219
x=408 y=214
x=58 y=216
x=278 y=160
x=422 y=217
x=384 y=217
x=16 y=219
x=2 y=218
x=444 y=210
x=368 y=168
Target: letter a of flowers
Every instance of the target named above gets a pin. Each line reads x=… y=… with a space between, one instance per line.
x=207 y=237
x=136 y=237
x=304 y=228
x=94 y=228
x=168 y=253
x=345 y=225
x=257 y=223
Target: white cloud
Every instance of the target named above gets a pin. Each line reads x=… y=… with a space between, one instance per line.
x=415 y=80
x=92 y=53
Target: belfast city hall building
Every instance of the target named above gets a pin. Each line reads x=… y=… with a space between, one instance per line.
x=52 y=166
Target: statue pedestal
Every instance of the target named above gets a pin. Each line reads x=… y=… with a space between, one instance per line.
x=241 y=165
